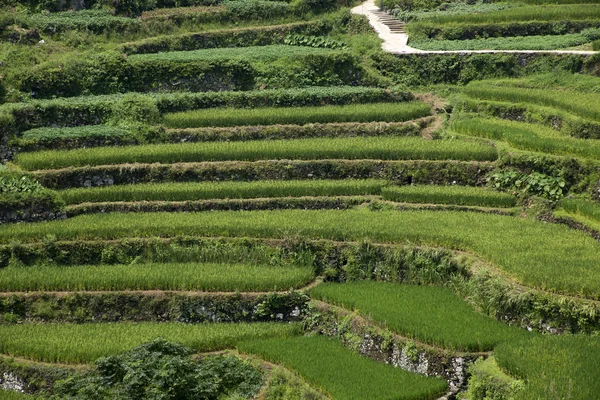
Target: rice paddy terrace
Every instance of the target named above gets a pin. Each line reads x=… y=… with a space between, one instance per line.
x=228 y=200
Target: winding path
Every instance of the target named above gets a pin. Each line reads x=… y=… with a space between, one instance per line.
x=395 y=41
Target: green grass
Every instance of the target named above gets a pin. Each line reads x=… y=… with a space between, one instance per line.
x=542 y=42
x=83 y=343
x=189 y=276
x=460 y=195
x=547 y=256
x=548 y=12
x=344 y=375
x=382 y=112
x=12 y=395
x=554 y=367
x=586 y=106
x=429 y=314
x=223 y=190
x=528 y=137
x=233 y=53
x=381 y=148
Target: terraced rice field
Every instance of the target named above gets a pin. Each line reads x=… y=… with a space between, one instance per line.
x=256 y=180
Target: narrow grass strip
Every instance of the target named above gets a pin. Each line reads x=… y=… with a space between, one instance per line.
x=233 y=53
x=83 y=343
x=459 y=195
x=383 y=112
x=430 y=314
x=345 y=375
x=528 y=137
x=546 y=256
x=224 y=190
x=546 y=12
x=380 y=148
x=560 y=367
x=541 y=42
x=189 y=276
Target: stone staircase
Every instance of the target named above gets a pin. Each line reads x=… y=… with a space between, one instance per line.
x=388 y=20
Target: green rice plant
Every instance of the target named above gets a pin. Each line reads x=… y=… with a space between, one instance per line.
x=528 y=137
x=541 y=42
x=557 y=81
x=461 y=195
x=189 y=276
x=547 y=256
x=264 y=53
x=585 y=208
x=585 y=106
x=553 y=367
x=385 y=112
x=547 y=12
x=381 y=148
x=429 y=314
x=84 y=343
x=223 y=190
x=344 y=375
x=585 y=212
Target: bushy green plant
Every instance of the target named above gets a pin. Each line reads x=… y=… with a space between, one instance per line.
x=533 y=183
x=136 y=108
x=165 y=370
x=10 y=184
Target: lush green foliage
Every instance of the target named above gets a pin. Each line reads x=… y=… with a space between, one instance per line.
x=223 y=190
x=78 y=343
x=189 y=276
x=488 y=381
x=384 y=148
x=462 y=195
x=553 y=366
x=346 y=376
x=534 y=183
x=527 y=137
x=547 y=256
x=49 y=134
x=429 y=314
x=96 y=21
x=235 y=53
x=163 y=369
x=386 y=112
x=13 y=183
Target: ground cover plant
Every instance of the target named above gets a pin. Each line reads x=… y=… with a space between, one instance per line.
x=429 y=314
x=344 y=375
x=162 y=368
x=461 y=195
x=84 y=343
x=382 y=148
x=243 y=53
x=171 y=276
x=386 y=112
x=547 y=256
x=223 y=190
